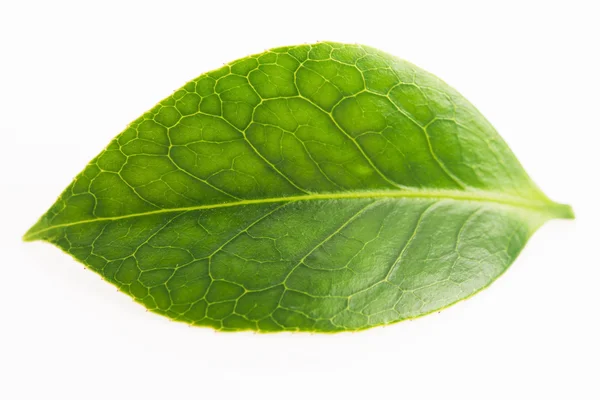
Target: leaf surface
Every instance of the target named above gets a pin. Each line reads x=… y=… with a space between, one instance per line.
x=321 y=187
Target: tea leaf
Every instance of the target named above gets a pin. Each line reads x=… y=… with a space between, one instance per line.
x=320 y=187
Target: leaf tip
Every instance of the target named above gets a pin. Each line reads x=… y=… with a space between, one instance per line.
x=32 y=234
x=28 y=236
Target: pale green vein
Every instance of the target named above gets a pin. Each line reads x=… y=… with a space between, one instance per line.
x=553 y=209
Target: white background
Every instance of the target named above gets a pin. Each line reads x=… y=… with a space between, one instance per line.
x=74 y=74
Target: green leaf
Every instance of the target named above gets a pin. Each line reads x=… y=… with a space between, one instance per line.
x=321 y=187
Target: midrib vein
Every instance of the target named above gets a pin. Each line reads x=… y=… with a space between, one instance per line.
x=558 y=210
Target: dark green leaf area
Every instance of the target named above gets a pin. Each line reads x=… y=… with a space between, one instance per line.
x=300 y=265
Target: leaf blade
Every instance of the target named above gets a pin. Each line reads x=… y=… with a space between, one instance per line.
x=328 y=130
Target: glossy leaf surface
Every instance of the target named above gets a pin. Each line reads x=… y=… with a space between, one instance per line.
x=320 y=187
